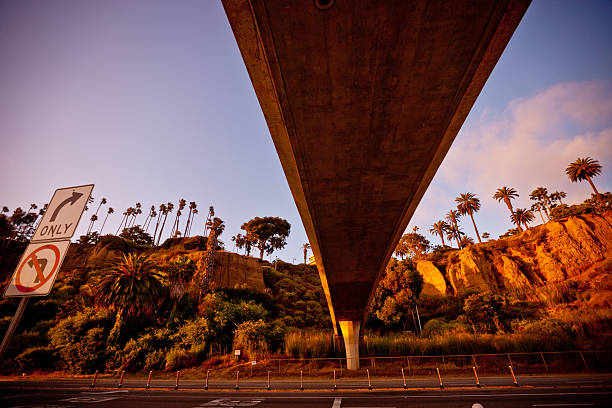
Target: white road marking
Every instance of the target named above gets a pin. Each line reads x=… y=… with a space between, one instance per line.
x=337 y=403
x=222 y=402
x=16 y=396
x=477 y=405
x=91 y=399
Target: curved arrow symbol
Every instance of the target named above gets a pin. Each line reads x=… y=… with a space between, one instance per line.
x=70 y=200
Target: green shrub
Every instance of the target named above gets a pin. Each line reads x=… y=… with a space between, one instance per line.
x=81 y=339
x=178 y=358
x=37 y=358
x=257 y=338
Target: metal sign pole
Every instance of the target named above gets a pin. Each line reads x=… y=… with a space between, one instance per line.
x=13 y=326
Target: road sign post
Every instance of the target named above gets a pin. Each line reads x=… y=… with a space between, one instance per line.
x=42 y=259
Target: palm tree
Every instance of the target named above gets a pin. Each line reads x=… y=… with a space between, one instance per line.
x=102 y=202
x=145 y=225
x=162 y=210
x=194 y=212
x=557 y=196
x=454 y=232
x=452 y=216
x=468 y=203
x=94 y=218
x=486 y=235
x=439 y=228
x=126 y=215
x=506 y=194
x=179 y=212
x=192 y=206
x=305 y=247
x=522 y=216
x=136 y=211
x=211 y=213
x=110 y=211
x=465 y=241
x=538 y=207
x=130 y=287
x=584 y=169
x=169 y=208
x=540 y=195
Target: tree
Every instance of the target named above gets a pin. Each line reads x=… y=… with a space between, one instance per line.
x=584 y=169
x=506 y=194
x=413 y=245
x=137 y=234
x=468 y=203
x=175 y=227
x=452 y=216
x=130 y=287
x=162 y=210
x=558 y=196
x=454 y=232
x=94 y=218
x=192 y=206
x=167 y=210
x=466 y=241
x=109 y=212
x=267 y=233
x=439 y=228
x=486 y=311
x=397 y=293
x=211 y=213
x=245 y=242
x=522 y=216
x=136 y=211
x=150 y=216
x=306 y=247
x=538 y=207
x=194 y=212
x=540 y=195
x=486 y=235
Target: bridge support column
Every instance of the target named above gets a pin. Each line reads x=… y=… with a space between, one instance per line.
x=350 y=332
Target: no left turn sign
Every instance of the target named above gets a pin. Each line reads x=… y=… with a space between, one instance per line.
x=37 y=269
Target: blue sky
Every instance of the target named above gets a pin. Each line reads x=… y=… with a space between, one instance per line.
x=150 y=101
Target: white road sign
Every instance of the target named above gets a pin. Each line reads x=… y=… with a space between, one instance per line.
x=63 y=214
x=37 y=269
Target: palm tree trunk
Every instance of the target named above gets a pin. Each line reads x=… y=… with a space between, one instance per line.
x=541 y=216
x=457 y=234
x=475 y=229
x=157 y=225
x=442 y=238
x=100 y=233
x=144 y=225
x=546 y=212
x=118 y=229
x=601 y=201
x=188 y=220
x=162 y=228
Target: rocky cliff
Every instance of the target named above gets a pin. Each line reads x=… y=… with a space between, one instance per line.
x=552 y=252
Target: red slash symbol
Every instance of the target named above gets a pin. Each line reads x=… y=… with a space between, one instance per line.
x=33 y=261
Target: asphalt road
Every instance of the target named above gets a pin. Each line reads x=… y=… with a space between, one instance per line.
x=565 y=391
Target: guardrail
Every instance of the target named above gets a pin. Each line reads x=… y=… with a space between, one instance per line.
x=326 y=372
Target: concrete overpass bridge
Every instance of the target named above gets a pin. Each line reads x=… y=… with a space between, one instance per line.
x=363 y=99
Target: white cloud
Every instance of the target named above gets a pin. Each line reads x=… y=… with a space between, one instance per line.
x=528 y=145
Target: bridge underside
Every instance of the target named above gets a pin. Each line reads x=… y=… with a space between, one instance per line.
x=363 y=100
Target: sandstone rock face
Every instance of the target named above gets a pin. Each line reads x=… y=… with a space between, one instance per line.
x=552 y=252
x=232 y=270
x=434 y=283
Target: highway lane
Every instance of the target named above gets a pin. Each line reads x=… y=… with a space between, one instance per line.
x=71 y=394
